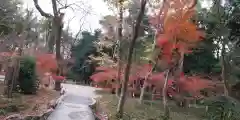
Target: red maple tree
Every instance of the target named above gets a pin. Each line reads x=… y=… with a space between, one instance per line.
x=46 y=63
x=178 y=34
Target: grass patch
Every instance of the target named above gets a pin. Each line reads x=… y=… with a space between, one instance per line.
x=146 y=111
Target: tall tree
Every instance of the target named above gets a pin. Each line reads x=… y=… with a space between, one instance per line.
x=10 y=14
x=119 y=36
x=82 y=51
x=220 y=15
x=57 y=26
x=129 y=60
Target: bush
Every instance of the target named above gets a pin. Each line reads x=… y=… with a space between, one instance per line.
x=70 y=75
x=27 y=75
x=222 y=108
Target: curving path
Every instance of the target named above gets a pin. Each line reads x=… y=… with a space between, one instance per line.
x=74 y=104
x=86 y=91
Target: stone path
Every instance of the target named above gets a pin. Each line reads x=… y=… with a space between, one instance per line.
x=74 y=104
x=85 y=91
x=2 y=77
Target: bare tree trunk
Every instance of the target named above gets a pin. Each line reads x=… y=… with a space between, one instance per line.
x=145 y=80
x=51 y=42
x=118 y=81
x=16 y=74
x=9 y=81
x=224 y=64
x=129 y=60
x=58 y=46
x=51 y=38
x=19 y=52
x=120 y=27
x=11 y=76
x=143 y=89
x=155 y=37
x=57 y=29
x=164 y=93
x=57 y=26
x=178 y=70
x=145 y=84
x=224 y=71
x=14 y=67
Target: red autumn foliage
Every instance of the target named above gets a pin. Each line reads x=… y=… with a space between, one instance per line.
x=177 y=32
x=6 y=54
x=46 y=63
x=143 y=70
x=108 y=74
x=192 y=85
x=195 y=84
x=103 y=76
x=103 y=68
x=58 y=78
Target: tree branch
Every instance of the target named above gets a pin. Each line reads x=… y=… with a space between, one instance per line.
x=65 y=7
x=54 y=7
x=47 y=15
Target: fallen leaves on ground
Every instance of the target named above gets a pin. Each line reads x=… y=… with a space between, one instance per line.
x=38 y=103
x=28 y=104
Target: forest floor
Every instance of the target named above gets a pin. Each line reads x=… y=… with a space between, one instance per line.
x=145 y=111
x=26 y=104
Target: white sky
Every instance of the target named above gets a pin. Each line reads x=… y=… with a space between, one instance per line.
x=97 y=8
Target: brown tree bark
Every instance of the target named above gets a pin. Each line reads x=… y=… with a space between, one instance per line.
x=120 y=36
x=155 y=37
x=51 y=42
x=164 y=93
x=51 y=39
x=224 y=69
x=145 y=83
x=129 y=60
x=57 y=29
x=144 y=87
x=14 y=66
x=12 y=76
x=178 y=69
x=8 y=81
x=56 y=32
x=58 y=35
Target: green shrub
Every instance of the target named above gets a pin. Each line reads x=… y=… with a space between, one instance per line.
x=70 y=75
x=222 y=108
x=27 y=75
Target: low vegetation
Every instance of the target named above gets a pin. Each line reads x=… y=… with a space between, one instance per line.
x=149 y=110
x=28 y=81
x=26 y=104
x=213 y=108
